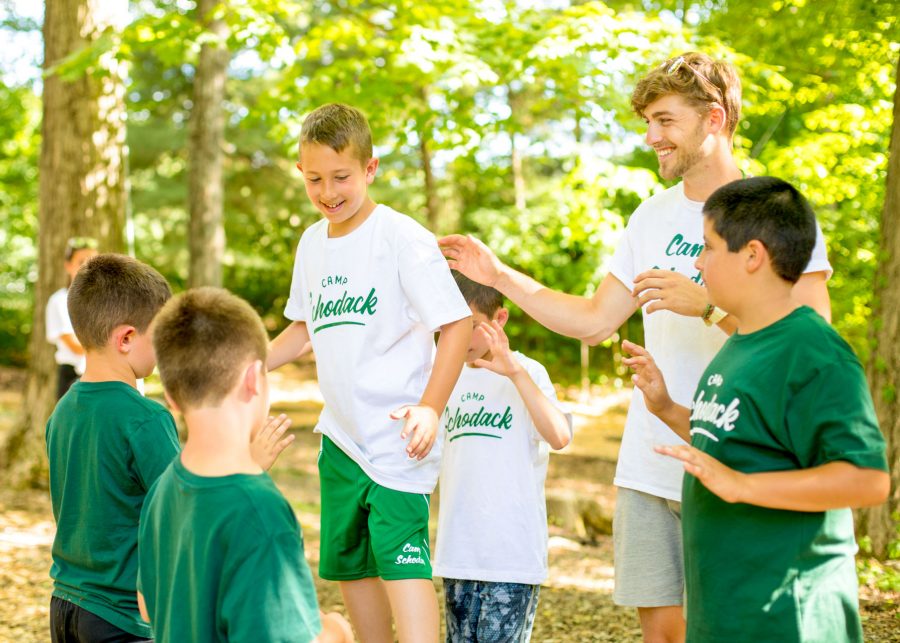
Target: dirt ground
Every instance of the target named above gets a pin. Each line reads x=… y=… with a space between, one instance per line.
x=575 y=605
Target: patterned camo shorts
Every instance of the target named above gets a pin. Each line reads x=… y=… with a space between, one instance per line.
x=483 y=612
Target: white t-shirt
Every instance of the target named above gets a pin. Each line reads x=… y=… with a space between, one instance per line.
x=492 y=523
x=58 y=324
x=372 y=301
x=666 y=231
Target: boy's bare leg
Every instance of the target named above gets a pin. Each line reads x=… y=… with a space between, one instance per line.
x=662 y=624
x=415 y=608
x=370 y=611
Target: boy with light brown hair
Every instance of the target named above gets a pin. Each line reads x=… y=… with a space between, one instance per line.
x=221 y=553
x=370 y=289
x=106 y=446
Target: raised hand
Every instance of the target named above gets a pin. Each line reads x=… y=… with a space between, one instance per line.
x=472 y=258
x=647 y=377
x=670 y=290
x=723 y=481
x=502 y=360
x=422 y=424
x=268 y=443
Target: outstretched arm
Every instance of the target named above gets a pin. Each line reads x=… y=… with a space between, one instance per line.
x=290 y=344
x=592 y=319
x=649 y=379
x=549 y=421
x=829 y=486
x=422 y=418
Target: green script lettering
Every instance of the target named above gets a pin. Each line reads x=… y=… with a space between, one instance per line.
x=679 y=247
x=342 y=305
x=481 y=418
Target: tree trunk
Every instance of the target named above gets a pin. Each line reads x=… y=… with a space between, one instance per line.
x=432 y=207
x=515 y=153
x=883 y=370
x=206 y=184
x=82 y=193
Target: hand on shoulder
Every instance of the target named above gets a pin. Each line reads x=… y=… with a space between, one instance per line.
x=472 y=258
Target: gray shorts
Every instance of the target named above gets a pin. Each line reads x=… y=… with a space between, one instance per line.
x=649 y=561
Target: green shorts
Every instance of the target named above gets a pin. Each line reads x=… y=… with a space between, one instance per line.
x=369 y=530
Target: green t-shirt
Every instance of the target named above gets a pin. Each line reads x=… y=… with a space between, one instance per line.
x=107 y=445
x=789 y=396
x=221 y=559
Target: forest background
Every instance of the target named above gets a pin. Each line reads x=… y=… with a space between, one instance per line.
x=508 y=119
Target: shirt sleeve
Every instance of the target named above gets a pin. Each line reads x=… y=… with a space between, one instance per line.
x=58 y=322
x=818 y=262
x=427 y=283
x=832 y=418
x=621 y=266
x=295 y=309
x=154 y=444
x=269 y=595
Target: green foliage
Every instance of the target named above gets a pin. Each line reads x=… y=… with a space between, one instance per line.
x=19 y=144
x=471 y=82
x=883 y=575
x=825 y=125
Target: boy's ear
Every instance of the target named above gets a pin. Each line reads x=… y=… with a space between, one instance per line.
x=371 y=168
x=757 y=255
x=501 y=316
x=171 y=402
x=122 y=337
x=252 y=380
x=300 y=166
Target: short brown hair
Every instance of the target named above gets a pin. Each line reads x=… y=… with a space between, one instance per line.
x=484 y=299
x=204 y=338
x=697 y=78
x=338 y=126
x=113 y=290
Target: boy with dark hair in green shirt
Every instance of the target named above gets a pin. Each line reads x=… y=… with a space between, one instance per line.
x=221 y=555
x=106 y=445
x=784 y=438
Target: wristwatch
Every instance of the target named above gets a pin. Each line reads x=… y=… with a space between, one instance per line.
x=713 y=315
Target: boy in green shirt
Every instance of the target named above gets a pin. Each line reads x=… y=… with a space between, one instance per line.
x=221 y=555
x=784 y=438
x=106 y=445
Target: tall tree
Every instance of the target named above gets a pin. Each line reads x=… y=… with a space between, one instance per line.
x=882 y=523
x=206 y=185
x=81 y=192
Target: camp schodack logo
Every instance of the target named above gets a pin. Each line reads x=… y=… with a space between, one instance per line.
x=338 y=310
x=456 y=422
x=680 y=247
x=711 y=411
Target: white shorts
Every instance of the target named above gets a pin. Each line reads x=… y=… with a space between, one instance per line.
x=649 y=560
